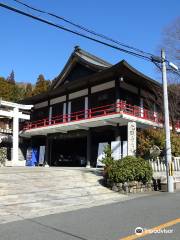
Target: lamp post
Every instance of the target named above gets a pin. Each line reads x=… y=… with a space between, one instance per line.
x=168 y=155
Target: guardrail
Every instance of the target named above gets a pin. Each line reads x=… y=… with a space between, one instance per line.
x=121 y=107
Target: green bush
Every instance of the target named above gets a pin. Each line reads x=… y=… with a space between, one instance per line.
x=107 y=159
x=129 y=169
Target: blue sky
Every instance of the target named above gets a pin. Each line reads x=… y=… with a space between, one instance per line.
x=31 y=48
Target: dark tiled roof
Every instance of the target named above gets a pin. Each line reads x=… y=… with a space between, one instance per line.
x=79 y=55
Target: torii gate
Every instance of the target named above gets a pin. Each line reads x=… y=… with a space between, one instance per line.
x=16 y=115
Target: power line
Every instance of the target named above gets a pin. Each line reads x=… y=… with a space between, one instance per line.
x=83 y=28
x=74 y=32
x=168 y=69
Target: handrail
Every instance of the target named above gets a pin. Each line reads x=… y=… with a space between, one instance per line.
x=115 y=108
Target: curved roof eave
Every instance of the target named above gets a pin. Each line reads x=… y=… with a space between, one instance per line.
x=107 y=72
x=137 y=72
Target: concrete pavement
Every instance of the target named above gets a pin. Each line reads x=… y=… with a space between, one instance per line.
x=108 y=222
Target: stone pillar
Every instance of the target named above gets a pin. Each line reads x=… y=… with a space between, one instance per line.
x=15 y=157
x=132 y=139
x=88 y=152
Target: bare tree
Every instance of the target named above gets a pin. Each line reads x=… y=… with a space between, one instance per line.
x=171 y=44
x=174 y=104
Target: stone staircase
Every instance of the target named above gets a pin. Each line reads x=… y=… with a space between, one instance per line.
x=37 y=191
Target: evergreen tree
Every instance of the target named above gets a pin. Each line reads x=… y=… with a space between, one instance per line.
x=5 y=89
x=11 y=78
x=41 y=85
x=28 y=90
x=11 y=92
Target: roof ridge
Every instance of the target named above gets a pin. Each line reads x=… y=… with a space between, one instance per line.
x=79 y=50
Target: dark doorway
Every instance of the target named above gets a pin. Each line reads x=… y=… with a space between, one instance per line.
x=69 y=152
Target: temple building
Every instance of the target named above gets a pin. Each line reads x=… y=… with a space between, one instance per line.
x=91 y=103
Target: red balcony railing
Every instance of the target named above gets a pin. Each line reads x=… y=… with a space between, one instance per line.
x=121 y=107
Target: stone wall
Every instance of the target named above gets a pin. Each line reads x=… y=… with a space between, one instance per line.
x=3 y=156
x=130 y=187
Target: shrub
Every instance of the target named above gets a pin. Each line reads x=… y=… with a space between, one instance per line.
x=107 y=159
x=129 y=169
x=147 y=138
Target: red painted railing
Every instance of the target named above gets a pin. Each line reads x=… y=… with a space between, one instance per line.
x=121 y=107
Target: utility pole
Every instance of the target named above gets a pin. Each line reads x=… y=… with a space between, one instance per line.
x=168 y=155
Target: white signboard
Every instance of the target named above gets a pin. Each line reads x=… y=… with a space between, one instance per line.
x=116 y=149
x=131 y=138
x=41 y=155
x=101 y=148
x=125 y=149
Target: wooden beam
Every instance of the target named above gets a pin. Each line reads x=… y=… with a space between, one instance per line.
x=11 y=114
x=15 y=105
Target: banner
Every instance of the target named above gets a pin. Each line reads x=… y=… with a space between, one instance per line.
x=116 y=149
x=41 y=155
x=125 y=146
x=101 y=154
x=32 y=157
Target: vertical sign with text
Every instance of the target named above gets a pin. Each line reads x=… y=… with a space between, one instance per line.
x=132 y=139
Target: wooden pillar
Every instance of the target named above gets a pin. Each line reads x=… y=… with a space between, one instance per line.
x=117 y=94
x=48 y=150
x=46 y=159
x=89 y=101
x=141 y=103
x=89 y=146
x=49 y=111
x=64 y=111
x=117 y=133
x=86 y=107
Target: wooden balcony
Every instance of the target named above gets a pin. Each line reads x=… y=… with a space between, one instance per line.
x=121 y=111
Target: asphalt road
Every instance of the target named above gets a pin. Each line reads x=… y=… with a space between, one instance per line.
x=108 y=222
